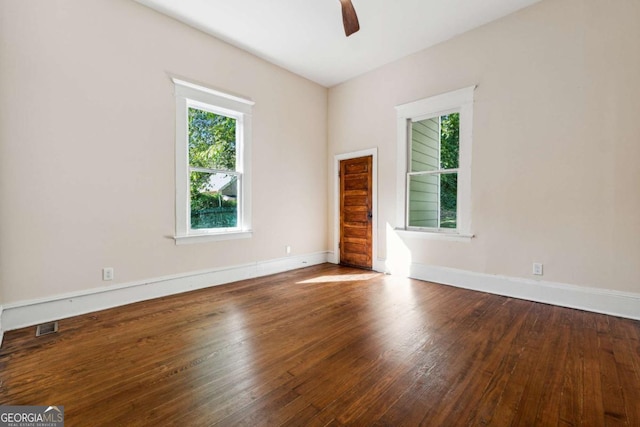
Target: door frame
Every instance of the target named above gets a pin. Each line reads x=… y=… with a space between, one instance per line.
x=373 y=152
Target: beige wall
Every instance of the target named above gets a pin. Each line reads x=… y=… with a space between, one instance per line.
x=87 y=147
x=556 y=141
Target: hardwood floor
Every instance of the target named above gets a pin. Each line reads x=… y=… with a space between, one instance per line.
x=331 y=346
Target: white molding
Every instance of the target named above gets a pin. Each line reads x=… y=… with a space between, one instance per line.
x=28 y=313
x=598 y=300
x=379 y=265
x=433 y=235
x=436 y=103
x=208 y=95
x=373 y=152
x=212 y=237
x=188 y=94
x=460 y=100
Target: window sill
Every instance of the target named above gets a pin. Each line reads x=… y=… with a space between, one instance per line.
x=434 y=235
x=212 y=237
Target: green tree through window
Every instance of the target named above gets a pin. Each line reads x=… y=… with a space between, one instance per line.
x=212 y=162
x=449 y=159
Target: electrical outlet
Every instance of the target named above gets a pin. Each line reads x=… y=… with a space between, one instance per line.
x=537 y=269
x=287 y=249
x=107 y=273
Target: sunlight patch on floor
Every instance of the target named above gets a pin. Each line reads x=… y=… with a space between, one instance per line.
x=341 y=278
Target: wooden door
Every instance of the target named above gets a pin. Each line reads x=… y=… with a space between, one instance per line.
x=356 y=215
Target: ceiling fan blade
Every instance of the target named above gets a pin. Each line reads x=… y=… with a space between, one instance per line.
x=349 y=18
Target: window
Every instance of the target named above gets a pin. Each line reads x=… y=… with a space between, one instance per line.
x=213 y=136
x=434 y=152
x=432 y=180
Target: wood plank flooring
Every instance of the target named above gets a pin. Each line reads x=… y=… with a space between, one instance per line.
x=331 y=346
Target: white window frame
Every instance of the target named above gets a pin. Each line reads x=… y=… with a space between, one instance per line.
x=192 y=95
x=460 y=101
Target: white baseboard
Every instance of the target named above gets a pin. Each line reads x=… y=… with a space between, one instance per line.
x=28 y=313
x=379 y=265
x=605 y=301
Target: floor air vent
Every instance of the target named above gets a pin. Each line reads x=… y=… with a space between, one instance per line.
x=46 y=328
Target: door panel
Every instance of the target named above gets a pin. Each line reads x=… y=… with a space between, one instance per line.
x=356 y=203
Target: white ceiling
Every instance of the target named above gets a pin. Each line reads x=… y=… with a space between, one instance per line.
x=307 y=37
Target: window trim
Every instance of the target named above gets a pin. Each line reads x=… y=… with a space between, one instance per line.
x=461 y=101
x=192 y=95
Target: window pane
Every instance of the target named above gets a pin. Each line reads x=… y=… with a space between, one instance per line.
x=448 y=200
x=449 y=141
x=435 y=143
x=212 y=140
x=214 y=200
x=433 y=200
x=424 y=204
x=425 y=145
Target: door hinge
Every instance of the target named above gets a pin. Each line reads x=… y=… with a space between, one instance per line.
x=338 y=245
